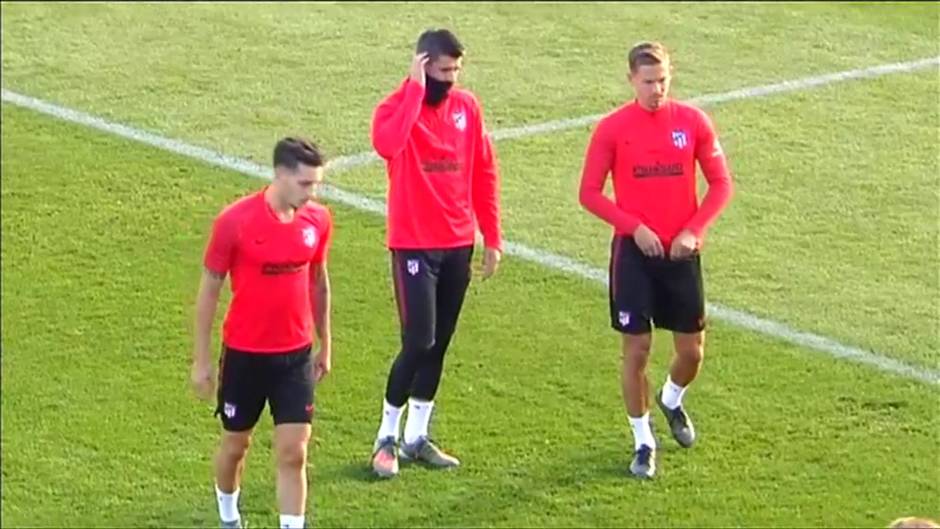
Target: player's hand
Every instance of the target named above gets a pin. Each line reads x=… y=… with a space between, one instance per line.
x=417 y=67
x=648 y=242
x=202 y=378
x=491 y=258
x=323 y=363
x=684 y=245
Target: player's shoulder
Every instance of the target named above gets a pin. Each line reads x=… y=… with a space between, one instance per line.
x=465 y=96
x=239 y=209
x=615 y=118
x=317 y=213
x=396 y=94
x=688 y=111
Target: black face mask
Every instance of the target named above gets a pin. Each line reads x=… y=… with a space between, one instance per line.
x=435 y=91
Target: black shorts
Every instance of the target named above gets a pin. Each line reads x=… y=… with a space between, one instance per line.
x=247 y=380
x=646 y=291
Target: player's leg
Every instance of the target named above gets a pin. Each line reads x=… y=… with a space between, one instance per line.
x=453 y=280
x=229 y=466
x=291 y=397
x=684 y=368
x=636 y=352
x=683 y=312
x=290 y=442
x=687 y=362
x=240 y=401
x=630 y=307
x=414 y=275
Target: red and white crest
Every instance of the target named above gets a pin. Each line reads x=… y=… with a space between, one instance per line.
x=460 y=120
x=310 y=237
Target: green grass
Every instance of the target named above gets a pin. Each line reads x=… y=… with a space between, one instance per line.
x=233 y=77
x=834 y=229
x=834 y=226
x=102 y=240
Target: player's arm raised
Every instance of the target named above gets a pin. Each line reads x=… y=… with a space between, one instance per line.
x=394 y=118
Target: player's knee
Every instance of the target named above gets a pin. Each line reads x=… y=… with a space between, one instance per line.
x=693 y=353
x=637 y=344
x=691 y=349
x=636 y=349
x=234 y=447
x=444 y=332
x=418 y=343
x=636 y=360
x=293 y=454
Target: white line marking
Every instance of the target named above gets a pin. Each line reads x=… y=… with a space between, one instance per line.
x=551 y=260
x=355 y=160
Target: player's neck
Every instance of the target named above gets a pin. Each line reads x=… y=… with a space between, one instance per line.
x=649 y=110
x=283 y=211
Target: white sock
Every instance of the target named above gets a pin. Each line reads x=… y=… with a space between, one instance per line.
x=419 y=417
x=672 y=394
x=391 y=421
x=290 y=521
x=642 y=434
x=228 y=505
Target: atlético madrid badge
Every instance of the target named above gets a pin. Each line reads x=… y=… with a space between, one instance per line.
x=679 y=139
x=310 y=237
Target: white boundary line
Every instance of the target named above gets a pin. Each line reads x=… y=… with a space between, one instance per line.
x=549 y=259
x=355 y=160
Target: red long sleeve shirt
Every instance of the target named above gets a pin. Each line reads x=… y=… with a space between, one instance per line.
x=652 y=156
x=442 y=170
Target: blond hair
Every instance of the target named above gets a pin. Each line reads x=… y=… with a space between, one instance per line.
x=913 y=522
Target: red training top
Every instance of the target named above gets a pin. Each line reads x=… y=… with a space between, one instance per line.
x=652 y=156
x=442 y=170
x=270 y=264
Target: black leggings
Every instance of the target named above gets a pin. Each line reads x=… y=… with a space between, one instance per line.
x=430 y=286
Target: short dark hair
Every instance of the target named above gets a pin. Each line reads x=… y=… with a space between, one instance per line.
x=290 y=151
x=437 y=42
x=647 y=54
